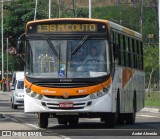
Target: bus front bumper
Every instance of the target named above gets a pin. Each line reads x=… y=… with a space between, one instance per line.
x=81 y=105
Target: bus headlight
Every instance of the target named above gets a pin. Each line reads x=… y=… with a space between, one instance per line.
x=92 y=96
x=39 y=97
x=28 y=90
x=100 y=93
x=106 y=89
x=33 y=94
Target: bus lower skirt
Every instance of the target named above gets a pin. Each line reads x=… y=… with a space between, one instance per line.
x=81 y=115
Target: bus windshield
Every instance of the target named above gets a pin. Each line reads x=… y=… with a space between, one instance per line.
x=84 y=57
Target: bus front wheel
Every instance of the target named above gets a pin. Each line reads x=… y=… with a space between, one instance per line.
x=62 y=121
x=110 y=120
x=43 y=120
x=73 y=121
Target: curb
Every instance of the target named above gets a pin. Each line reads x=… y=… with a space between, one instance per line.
x=155 y=110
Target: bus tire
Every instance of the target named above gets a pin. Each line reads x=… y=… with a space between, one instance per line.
x=110 y=120
x=62 y=121
x=120 y=117
x=43 y=120
x=73 y=121
x=131 y=117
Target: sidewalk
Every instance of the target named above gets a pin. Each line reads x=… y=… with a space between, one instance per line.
x=151 y=109
x=5 y=97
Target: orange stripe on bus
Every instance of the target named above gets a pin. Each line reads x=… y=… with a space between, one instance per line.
x=127 y=74
x=69 y=91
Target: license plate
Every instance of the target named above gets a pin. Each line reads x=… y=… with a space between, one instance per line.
x=66 y=113
x=66 y=105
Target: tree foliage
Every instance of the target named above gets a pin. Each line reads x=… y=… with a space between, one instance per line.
x=17 y=14
x=151 y=58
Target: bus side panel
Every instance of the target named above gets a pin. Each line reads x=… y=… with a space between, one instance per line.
x=132 y=84
x=117 y=88
x=129 y=82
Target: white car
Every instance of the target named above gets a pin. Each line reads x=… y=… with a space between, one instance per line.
x=17 y=95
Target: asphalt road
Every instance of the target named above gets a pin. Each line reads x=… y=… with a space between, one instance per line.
x=147 y=121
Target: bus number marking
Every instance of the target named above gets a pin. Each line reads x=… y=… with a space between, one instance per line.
x=67 y=28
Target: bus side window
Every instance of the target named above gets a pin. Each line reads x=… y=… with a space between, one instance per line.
x=133 y=53
x=117 y=42
x=122 y=51
x=125 y=51
x=129 y=52
x=138 y=54
x=141 y=55
x=112 y=36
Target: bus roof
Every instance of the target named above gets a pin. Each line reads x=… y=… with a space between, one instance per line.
x=67 y=19
x=125 y=30
x=112 y=24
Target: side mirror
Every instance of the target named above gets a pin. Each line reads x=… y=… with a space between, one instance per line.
x=21 y=47
x=20 y=44
x=116 y=51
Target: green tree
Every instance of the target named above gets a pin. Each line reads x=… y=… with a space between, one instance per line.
x=17 y=14
x=150 y=64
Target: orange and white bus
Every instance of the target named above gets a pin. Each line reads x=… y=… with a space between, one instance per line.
x=83 y=68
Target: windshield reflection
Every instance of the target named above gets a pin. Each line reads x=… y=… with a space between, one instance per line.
x=91 y=59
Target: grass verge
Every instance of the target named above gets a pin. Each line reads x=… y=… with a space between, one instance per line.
x=153 y=100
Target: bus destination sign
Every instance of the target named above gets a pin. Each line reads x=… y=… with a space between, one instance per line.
x=59 y=28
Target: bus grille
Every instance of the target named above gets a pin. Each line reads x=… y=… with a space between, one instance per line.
x=70 y=97
x=64 y=85
x=76 y=106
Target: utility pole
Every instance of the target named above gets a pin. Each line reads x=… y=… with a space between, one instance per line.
x=59 y=8
x=2 y=40
x=35 y=12
x=141 y=18
x=74 y=8
x=49 y=9
x=7 y=57
x=159 y=38
x=90 y=14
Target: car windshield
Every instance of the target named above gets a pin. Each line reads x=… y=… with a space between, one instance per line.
x=20 y=85
x=84 y=57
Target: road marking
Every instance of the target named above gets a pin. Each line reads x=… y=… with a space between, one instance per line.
x=64 y=137
x=90 y=119
x=148 y=116
x=33 y=126
x=14 y=120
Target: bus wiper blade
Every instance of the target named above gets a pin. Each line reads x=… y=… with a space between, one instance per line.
x=80 y=44
x=51 y=46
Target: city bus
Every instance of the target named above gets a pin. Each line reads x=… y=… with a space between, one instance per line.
x=83 y=68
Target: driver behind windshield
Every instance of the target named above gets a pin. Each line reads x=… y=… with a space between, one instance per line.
x=94 y=56
x=94 y=61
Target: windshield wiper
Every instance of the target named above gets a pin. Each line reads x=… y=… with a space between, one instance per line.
x=51 y=46
x=80 y=44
